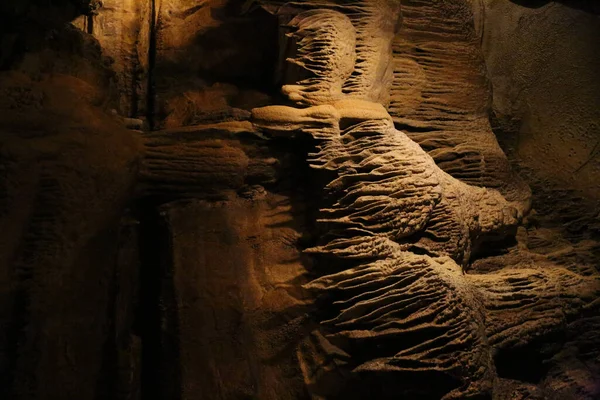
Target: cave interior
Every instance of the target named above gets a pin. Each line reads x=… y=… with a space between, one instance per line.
x=314 y=199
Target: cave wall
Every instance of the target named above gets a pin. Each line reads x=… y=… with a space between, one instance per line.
x=198 y=292
x=68 y=250
x=233 y=320
x=181 y=63
x=441 y=94
x=372 y=237
x=77 y=298
x=543 y=61
x=123 y=29
x=68 y=174
x=212 y=59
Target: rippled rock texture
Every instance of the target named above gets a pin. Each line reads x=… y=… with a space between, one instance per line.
x=278 y=200
x=398 y=311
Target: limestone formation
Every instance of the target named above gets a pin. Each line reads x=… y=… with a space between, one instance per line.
x=204 y=161
x=366 y=239
x=123 y=30
x=326 y=49
x=440 y=95
x=396 y=229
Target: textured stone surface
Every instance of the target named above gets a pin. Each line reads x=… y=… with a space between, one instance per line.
x=123 y=30
x=237 y=308
x=68 y=263
x=441 y=96
x=205 y=161
x=543 y=67
x=365 y=240
x=397 y=306
x=67 y=172
x=211 y=56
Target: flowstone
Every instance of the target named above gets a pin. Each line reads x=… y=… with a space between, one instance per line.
x=398 y=232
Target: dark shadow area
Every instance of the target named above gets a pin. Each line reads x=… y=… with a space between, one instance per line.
x=592 y=6
x=386 y=385
x=25 y=23
x=157 y=317
x=521 y=364
x=529 y=363
x=493 y=246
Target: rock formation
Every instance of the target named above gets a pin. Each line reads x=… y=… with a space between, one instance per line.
x=396 y=229
x=278 y=200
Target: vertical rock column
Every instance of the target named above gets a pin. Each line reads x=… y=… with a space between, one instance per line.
x=123 y=29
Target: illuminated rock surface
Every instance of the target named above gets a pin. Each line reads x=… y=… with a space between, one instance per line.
x=273 y=200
